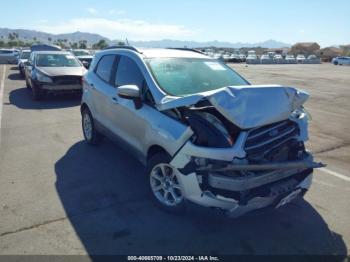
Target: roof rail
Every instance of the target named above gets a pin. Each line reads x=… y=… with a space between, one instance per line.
x=123 y=47
x=186 y=49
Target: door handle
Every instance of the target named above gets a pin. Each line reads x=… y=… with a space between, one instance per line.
x=115 y=100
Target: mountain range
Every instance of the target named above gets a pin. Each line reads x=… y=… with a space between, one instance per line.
x=91 y=38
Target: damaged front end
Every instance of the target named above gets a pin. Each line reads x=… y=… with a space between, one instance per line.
x=247 y=151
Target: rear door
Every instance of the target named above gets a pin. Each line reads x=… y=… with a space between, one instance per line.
x=102 y=89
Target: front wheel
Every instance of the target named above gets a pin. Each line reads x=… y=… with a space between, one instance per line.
x=91 y=135
x=36 y=93
x=166 y=190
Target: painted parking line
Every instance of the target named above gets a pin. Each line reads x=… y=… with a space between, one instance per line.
x=336 y=174
x=2 y=87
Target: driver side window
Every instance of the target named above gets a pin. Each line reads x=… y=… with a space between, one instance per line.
x=129 y=73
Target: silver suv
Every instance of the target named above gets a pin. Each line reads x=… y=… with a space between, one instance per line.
x=203 y=132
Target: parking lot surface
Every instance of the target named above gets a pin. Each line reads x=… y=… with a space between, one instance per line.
x=60 y=196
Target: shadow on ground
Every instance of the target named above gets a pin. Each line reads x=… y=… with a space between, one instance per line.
x=104 y=193
x=15 y=76
x=22 y=98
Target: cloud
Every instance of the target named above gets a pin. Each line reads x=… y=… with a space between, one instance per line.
x=117 y=12
x=91 y=10
x=119 y=29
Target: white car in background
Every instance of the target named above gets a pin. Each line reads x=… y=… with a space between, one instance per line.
x=278 y=59
x=252 y=59
x=266 y=59
x=313 y=59
x=301 y=59
x=290 y=59
x=341 y=60
x=242 y=57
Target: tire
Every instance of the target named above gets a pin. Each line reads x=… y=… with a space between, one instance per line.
x=27 y=84
x=163 y=184
x=91 y=135
x=37 y=94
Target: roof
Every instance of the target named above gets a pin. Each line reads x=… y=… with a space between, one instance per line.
x=162 y=52
x=53 y=52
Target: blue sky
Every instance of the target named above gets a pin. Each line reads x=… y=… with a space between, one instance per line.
x=324 y=21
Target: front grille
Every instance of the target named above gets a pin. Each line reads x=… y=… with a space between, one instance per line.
x=67 y=80
x=263 y=140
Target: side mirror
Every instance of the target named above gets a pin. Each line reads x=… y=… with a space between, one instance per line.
x=131 y=92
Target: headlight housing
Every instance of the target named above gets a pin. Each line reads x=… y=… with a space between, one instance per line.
x=43 y=78
x=301 y=113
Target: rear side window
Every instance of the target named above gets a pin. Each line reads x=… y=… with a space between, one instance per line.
x=104 y=67
x=128 y=73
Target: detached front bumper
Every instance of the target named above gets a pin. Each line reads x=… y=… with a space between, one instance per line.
x=273 y=184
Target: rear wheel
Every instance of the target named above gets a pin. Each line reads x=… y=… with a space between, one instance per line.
x=91 y=135
x=165 y=189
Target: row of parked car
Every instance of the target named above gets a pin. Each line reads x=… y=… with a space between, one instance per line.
x=268 y=58
x=279 y=59
x=191 y=120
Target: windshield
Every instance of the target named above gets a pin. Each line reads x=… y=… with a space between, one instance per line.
x=185 y=76
x=25 y=55
x=80 y=52
x=56 y=60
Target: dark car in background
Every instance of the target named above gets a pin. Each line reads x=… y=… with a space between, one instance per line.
x=53 y=72
x=84 y=56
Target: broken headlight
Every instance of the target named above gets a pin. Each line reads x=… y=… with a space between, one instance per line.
x=301 y=113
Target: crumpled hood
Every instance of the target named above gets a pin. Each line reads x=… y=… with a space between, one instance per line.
x=246 y=106
x=62 y=71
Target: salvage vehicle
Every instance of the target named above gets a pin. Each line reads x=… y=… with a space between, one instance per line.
x=313 y=59
x=266 y=59
x=278 y=59
x=252 y=59
x=8 y=56
x=53 y=72
x=23 y=58
x=290 y=59
x=242 y=57
x=84 y=56
x=300 y=59
x=204 y=133
x=341 y=60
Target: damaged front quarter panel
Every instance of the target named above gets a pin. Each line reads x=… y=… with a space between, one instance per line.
x=240 y=178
